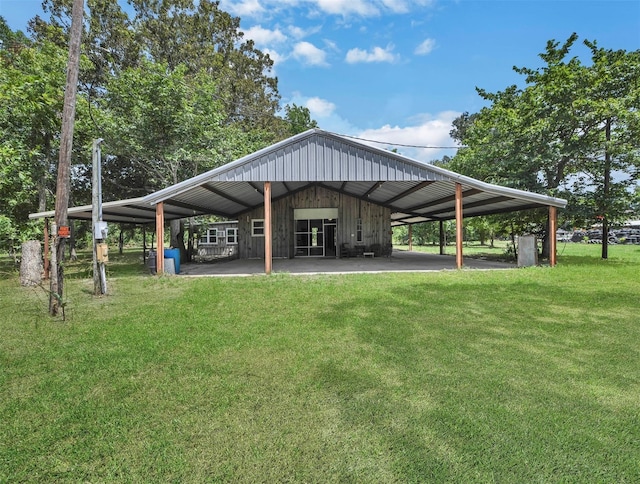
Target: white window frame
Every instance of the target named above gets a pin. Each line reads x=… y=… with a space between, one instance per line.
x=210 y=237
x=257 y=231
x=359 y=237
x=232 y=236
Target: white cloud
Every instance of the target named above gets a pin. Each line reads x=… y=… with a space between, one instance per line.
x=244 y=8
x=420 y=130
x=309 y=54
x=343 y=8
x=320 y=108
x=426 y=47
x=331 y=45
x=347 y=7
x=396 y=6
x=430 y=131
x=368 y=8
x=296 y=32
x=378 y=54
x=262 y=36
x=324 y=112
x=300 y=33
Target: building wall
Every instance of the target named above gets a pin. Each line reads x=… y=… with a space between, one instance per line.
x=221 y=249
x=376 y=222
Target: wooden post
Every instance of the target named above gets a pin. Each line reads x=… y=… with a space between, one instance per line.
x=553 y=224
x=160 y=238
x=63 y=181
x=459 y=226
x=268 y=255
x=53 y=302
x=442 y=240
x=410 y=237
x=46 y=248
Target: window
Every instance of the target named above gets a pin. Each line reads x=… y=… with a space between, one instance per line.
x=310 y=237
x=359 y=230
x=232 y=236
x=209 y=237
x=257 y=227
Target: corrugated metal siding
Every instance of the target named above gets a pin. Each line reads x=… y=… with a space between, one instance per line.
x=322 y=158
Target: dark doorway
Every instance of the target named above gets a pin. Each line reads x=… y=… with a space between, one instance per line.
x=330 y=238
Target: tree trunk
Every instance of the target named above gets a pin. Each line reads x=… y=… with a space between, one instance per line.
x=605 y=192
x=42 y=184
x=190 y=244
x=72 y=241
x=31 y=264
x=177 y=237
x=42 y=193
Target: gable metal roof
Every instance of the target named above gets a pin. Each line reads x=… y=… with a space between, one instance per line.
x=414 y=191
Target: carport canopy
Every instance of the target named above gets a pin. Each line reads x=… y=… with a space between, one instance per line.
x=414 y=191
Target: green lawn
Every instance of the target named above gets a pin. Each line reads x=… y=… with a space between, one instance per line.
x=527 y=375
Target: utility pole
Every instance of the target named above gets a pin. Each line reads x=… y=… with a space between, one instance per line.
x=99 y=228
x=63 y=185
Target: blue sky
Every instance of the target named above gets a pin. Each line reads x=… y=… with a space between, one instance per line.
x=401 y=70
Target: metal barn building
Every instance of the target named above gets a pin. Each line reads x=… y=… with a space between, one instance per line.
x=318 y=193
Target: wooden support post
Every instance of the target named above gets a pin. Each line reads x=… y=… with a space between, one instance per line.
x=553 y=224
x=268 y=254
x=442 y=239
x=46 y=248
x=459 y=226
x=160 y=238
x=410 y=237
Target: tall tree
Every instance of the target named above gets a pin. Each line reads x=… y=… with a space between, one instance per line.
x=612 y=114
x=460 y=126
x=197 y=35
x=298 y=118
x=552 y=135
x=32 y=77
x=163 y=123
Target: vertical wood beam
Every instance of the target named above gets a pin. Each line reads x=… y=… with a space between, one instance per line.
x=268 y=239
x=459 y=226
x=160 y=238
x=553 y=228
x=410 y=237
x=441 y=237
x=46 y=248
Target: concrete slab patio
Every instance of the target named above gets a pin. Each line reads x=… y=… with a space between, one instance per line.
x=400 y=261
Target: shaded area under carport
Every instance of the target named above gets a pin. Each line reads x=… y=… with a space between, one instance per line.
x=400 y=261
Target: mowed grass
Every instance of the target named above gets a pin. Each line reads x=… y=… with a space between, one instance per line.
x=525 y=375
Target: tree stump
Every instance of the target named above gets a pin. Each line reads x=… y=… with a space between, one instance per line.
x=31 y=264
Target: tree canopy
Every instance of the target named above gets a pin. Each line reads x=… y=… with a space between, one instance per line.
x=572 y=131
x=173 y=88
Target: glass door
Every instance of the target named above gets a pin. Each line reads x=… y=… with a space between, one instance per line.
x=330 y=232
x=310 y=238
